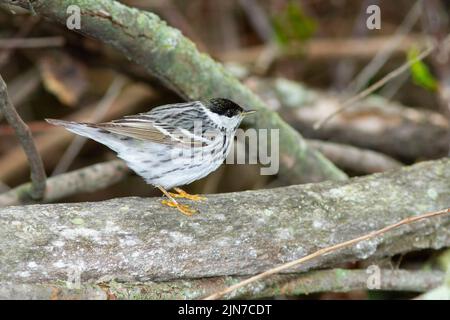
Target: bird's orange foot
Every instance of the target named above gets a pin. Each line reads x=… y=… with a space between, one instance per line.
x=182 y=208
x=183 y=194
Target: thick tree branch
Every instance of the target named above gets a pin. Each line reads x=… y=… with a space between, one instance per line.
x=327 y=250
x=25 y=137
x=334 y=280
x=234 y=234
x=375 y=123
x=88 y=179
x=163 y=51
x=355 y=159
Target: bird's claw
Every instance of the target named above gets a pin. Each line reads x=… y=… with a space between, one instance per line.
x=184 y=209
x=183 y=194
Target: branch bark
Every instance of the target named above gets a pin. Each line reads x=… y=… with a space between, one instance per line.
x=88 y=179
x=135 y=239
x=327 y=250
x=334 y=280
x=25 y=137
x=163 y=51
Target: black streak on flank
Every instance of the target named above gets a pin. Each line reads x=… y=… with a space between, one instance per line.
x=103 y=131
x=224 y=149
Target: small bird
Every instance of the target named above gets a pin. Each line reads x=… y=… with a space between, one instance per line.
x=171 y=145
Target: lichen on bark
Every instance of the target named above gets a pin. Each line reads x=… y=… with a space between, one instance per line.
x=138 y=239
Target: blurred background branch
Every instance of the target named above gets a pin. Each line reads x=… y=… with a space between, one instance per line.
x=88 y=179
x=175 y=60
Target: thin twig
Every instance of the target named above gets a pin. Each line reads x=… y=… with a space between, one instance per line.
x=100 y=111
x=387 y=50
x=436 y=24
x=25 y=28
x=324 y=251
x=53 y=138
x=258 y=18
x=21 y=87
x=328 y=49
x=391 y=75
x=388 y=92
x=344 y=71
x=27 y=43
x=25 y=137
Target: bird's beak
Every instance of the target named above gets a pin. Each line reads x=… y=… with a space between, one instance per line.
x=247 y=112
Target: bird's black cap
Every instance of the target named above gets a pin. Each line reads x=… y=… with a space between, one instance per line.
x=225 y=107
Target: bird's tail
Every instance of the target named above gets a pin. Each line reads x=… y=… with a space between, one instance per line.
x=89 y=130
x=65 y=123
x=81 y=128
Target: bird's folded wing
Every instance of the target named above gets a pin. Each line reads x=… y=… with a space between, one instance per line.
x=158 y=133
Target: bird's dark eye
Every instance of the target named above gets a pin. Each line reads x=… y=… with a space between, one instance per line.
x=230 y=113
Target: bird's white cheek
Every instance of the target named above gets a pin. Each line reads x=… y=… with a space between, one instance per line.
x=231 y=123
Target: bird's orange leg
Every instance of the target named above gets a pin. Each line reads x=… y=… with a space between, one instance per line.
x=171 y=202
x=183 y=194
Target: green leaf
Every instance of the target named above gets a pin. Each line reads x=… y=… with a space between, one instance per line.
x=420 y=73
x=293 y=25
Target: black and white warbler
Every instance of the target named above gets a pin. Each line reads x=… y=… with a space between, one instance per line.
x=171 y=145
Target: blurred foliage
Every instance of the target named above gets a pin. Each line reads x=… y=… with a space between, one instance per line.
x=420 y=73
x=293 y=25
